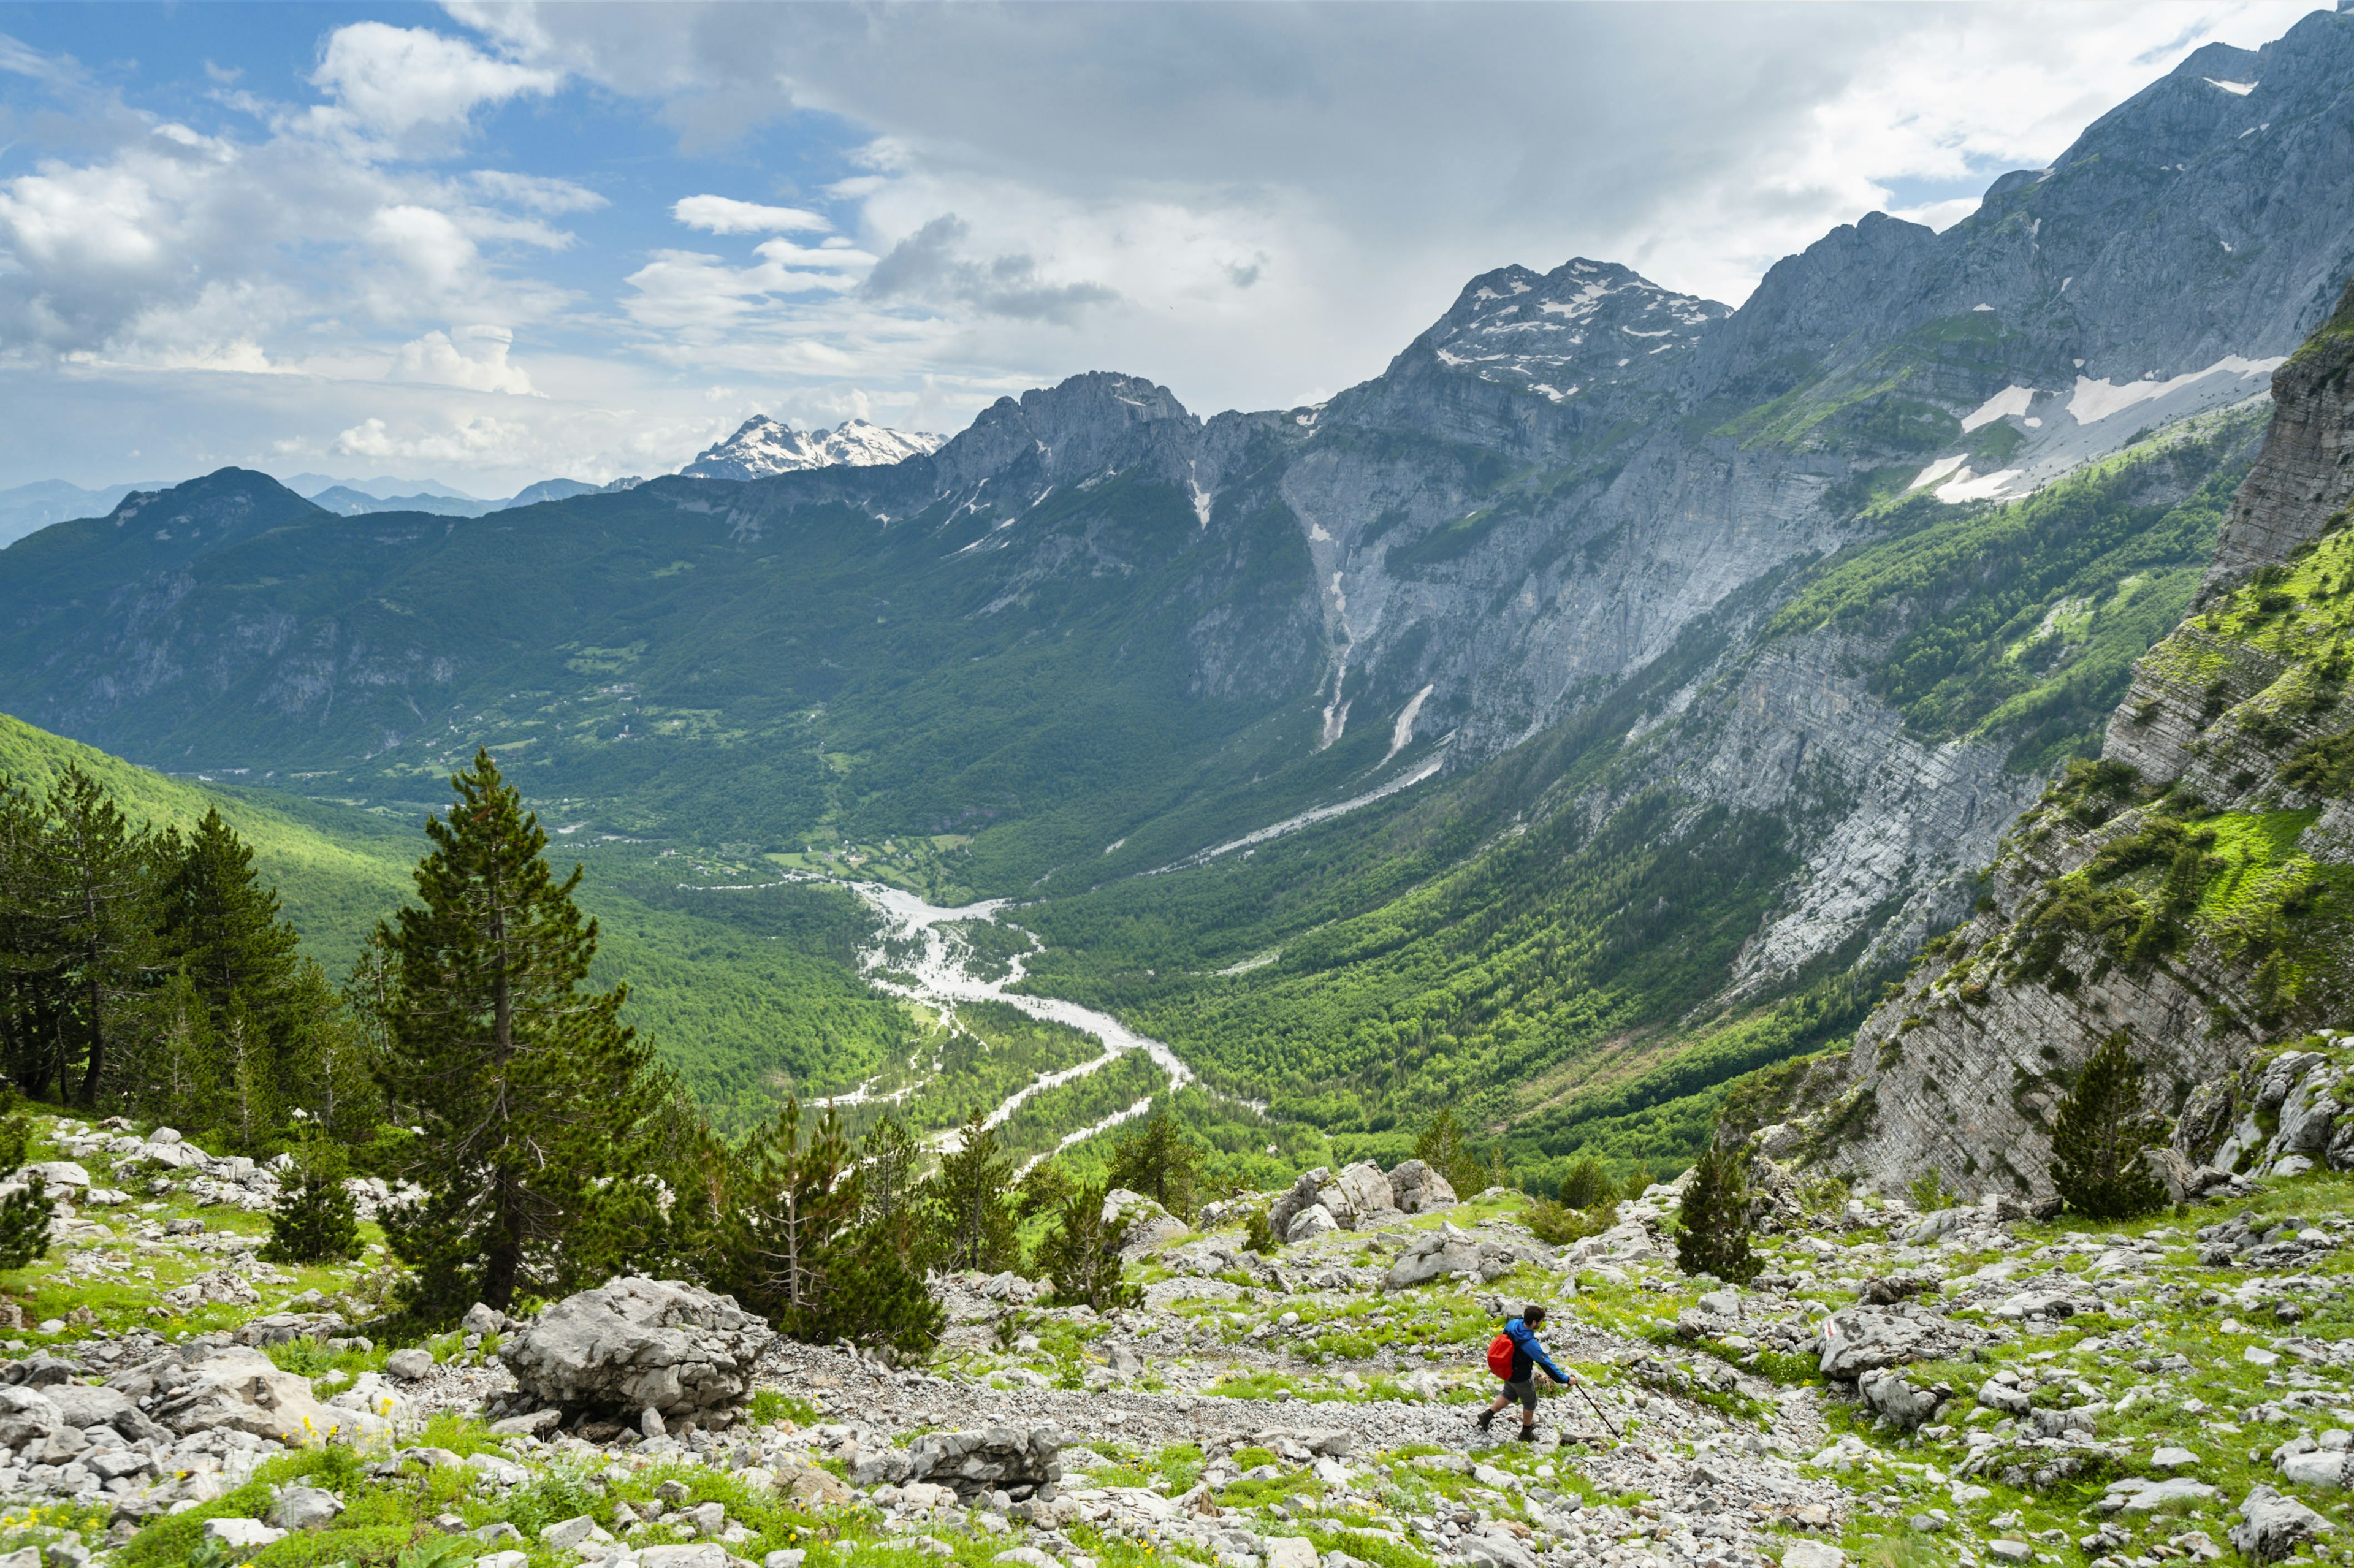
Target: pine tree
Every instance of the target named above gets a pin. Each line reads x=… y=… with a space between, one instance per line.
x=25 y=1213
x=972 y=1215
x=1159 y=1161
x=33 y=1006
x=1586 y=1184
x=216 y=919
x=888 y=1161
x=1081 y=1253
x=316 y=1220
x=785 y=1224
x=92 y=890
x=2098 y=1136
x=529 y=1088
x=1444 y=1147
x=1715 y=1238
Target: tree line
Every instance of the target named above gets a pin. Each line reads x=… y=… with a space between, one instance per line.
x=535 y=1143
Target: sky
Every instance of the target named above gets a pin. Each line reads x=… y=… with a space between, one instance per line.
x=491 y=244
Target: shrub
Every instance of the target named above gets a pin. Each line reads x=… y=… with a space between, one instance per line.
x=1558 y=1224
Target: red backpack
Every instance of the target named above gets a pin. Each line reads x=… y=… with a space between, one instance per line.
x=1500 y=1357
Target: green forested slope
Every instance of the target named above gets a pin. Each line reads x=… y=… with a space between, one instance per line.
x=743 y=997
x=1498 y=948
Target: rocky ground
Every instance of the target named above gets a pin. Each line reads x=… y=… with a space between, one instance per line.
x=1902 y=1386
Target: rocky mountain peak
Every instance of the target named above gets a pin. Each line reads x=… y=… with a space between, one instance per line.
x=762 y=446
x=1089 y=426
x=1557 y=334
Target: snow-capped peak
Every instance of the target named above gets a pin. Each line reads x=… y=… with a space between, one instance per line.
x=762 y=446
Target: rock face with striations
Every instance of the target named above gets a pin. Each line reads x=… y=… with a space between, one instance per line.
x=635 y=1344
x=2230 y=720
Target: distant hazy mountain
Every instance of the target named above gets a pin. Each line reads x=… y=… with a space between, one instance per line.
x=30 y=507
x=762 y=447
x=382 y=488
x=348 y=501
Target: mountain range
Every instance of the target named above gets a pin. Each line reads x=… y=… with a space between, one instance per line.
x=1593 y=707
x=762 y=446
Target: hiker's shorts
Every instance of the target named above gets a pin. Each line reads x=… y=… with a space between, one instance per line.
x=1524 y=1391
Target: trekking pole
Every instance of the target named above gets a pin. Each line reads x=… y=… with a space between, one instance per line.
x=1598 y=1410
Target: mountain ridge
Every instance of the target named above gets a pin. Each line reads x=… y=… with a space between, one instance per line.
x=1829 y=587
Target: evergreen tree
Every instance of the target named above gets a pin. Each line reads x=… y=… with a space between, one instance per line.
x=1444 y=1147
x=888 y=1159
x=25 y=1213
x=1586 y=1184
x=1081 y=1253
x=92 y=890
x=1160 y=1161
x=785 y=1224
x=34 y=1007
x=528 y=1086
x=316 y=1220
x=1040 y=1191
x=972 y=1215
x=2098 y=1136
x=217 y=920
x=1715 y=1236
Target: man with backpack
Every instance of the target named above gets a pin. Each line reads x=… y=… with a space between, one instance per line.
x=1514 y=1355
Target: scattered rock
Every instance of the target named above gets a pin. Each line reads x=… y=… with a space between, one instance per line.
x=2272 y=1525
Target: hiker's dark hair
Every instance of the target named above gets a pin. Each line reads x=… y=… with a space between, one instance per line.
x=1533 y=1313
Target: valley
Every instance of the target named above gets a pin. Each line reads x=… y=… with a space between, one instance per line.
x=1541 y=728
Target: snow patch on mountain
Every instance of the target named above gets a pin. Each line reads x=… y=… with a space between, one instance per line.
x=763 y=446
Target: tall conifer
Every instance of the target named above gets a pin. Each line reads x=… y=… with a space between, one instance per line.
x=2098 y=1135
x=528 y=1085
x=972 y=1213
x=92 y=891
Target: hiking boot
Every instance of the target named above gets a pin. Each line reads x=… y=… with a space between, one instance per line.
x=1486 y=1418
x=1527 y=1433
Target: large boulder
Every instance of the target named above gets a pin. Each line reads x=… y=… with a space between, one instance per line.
x=1416 y=1189
x=1447 y=1250
x=1904 y=1403
x=1865 y=1339
x=1009 y=1459
x=234 y=1387
x=2272 y=1525
x=636 y=1344
x=1309 y=1222
x=1302 y=1193
x=81 y=1406
x=1360 y=1197
x=1147 y=1223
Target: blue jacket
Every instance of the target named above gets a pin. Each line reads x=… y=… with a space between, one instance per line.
x=1525 y=1350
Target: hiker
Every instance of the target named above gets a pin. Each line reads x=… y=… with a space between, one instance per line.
x=1515 y=1356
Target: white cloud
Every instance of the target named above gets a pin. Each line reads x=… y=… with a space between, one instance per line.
x=724 y=215
x=474 y=358
x=393 y=80
x=1253 y=205
x=475 y=439
x=536 y=191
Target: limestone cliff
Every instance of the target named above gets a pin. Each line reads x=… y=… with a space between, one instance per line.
x=2191 y=890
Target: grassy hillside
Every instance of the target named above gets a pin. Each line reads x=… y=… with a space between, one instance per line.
x=744 y=998
x=336 y=882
